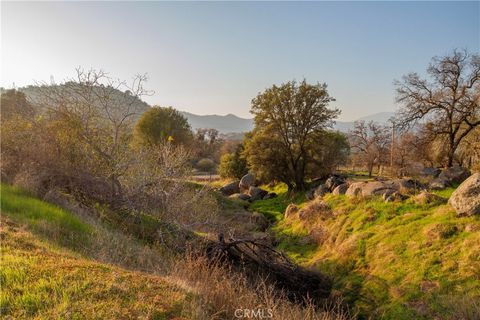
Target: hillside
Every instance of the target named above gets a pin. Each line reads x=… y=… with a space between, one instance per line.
x=46 y=271
x=398 y=260
x=35 y=94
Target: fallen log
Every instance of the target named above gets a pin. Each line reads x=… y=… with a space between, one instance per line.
x=255 y=257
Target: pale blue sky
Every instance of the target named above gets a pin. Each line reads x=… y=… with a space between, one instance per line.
x=214 y=57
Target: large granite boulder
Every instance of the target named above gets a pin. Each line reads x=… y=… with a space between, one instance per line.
x=372 y=188
x=256 y=193
x=230 y=188
x=466 y=199
x=355 y=189
x=408 y=185
x=448 y=177
x=378 y=188
x=247 y=181
x=334 y=181
x=341 y=189
x=454 y=175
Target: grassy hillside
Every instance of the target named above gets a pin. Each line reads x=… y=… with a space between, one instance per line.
x=397 y=260
x=46 y=272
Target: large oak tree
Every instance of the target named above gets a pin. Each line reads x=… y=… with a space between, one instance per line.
x=290 y=130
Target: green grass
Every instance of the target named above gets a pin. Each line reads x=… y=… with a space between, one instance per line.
x=42 y=282
x=445 y=193
x=46 y=271
x=44 y=218
x=274 y=208
x=400 y=260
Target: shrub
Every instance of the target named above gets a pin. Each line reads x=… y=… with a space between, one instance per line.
x=233 y=165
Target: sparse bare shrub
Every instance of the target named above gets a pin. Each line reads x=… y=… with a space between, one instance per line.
x=159 y=185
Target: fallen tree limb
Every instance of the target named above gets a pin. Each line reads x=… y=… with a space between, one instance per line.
x=258 y=258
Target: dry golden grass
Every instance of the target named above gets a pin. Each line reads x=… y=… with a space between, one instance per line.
x=42 y=282
x=221 y=292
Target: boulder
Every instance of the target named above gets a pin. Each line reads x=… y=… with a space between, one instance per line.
x=355 y=189
x=425 y=197
x=438 y=184
x=396 y=196
x=256 y=193
x=372 y=188
x=240 y=196
x=454 y=175
x=230 y=188
x=320 y=191
x=341 y=189
x=431 y=172
x=247 y=181
x=291 y=211
x=408 y=185
x=466 y=199
x=271 y=195
x=310 y=194
x=378 y=188
x=334 y=181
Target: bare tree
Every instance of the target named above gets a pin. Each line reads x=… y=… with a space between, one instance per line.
x=369 y=142
x=449 y=101
x=103 y=110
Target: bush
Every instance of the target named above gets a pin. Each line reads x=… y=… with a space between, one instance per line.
x=206 y=165
x=233 y=165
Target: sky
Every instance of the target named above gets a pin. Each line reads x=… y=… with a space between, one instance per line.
x=214 y=57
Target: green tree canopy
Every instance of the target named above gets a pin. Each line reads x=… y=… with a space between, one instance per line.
x=233 y=164
x=160 y=124
x=290 y=123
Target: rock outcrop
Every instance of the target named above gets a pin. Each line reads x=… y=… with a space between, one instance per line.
x=466 y=199
x=247 y=181
x=341 y=189
x=448 y=177
x=230 y=188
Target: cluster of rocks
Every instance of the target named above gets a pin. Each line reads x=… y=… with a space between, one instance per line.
x=465 y=200
x=246 y=189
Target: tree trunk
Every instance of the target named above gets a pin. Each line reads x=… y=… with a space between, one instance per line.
x=451 y=151
x=370 y=169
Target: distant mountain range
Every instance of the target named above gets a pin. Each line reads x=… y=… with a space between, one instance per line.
x=231 y=123
x=224 y=124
